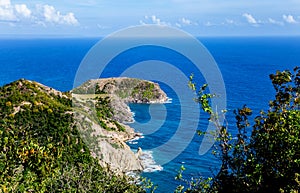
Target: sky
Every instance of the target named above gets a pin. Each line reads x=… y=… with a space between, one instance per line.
x=96 y=18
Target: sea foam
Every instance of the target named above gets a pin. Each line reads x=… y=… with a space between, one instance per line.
x=149 y=163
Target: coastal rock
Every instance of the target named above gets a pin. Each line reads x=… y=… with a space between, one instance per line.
x=139 y=152
x=108 y=143
x=109 y=146
x=130 y=90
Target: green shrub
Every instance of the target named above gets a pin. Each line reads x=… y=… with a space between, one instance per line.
x=267 y=160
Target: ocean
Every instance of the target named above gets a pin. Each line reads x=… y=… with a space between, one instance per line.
x=244 y=62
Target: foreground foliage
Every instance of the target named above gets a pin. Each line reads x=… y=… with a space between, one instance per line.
x=41 y=149
x=267 y=158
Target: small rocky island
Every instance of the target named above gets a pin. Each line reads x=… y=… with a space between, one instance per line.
x=75 y=139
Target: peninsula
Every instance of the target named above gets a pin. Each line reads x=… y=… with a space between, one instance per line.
x=71 y=140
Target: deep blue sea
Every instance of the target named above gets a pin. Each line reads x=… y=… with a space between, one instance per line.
x=245 y=64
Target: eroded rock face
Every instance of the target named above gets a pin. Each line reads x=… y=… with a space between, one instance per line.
x=109 y=145
x=122 y=112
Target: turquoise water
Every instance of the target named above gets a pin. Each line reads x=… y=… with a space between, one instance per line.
x=245 y=64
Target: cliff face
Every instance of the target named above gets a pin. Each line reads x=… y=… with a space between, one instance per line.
x=106 y=139
x=109 y=132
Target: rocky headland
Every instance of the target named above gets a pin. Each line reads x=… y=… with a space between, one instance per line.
x=70 y=141
x=101 y=112
x=49 y=122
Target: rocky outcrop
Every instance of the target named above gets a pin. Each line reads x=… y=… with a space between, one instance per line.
x=130 y=90
x=106 y=140
x=109 y=146
x=122 y=112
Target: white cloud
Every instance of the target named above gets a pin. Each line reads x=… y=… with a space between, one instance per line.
x=23 y=10
x=157 y=20
x=229 y=21
x=142 y=22
x=7 y=14
x=273 y=21
x=250 y=18
x=5 y=3
x=6 y=11
x=53 y=16
x=50 y=14
x=19 y=13
x=102 y=27
x=70 y=19
x=153 y=20
x=178 y=24
x=185 y=21
x=289 y=19
x=209 y=24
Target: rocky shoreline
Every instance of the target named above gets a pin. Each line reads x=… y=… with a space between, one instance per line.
x=109 y=146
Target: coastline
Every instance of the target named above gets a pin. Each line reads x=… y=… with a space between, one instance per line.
x=96 y=118
x=114 y=153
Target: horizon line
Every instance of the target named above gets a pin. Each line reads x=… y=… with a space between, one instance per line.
x=60 y=36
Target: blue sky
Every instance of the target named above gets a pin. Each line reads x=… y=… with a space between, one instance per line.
x=102 y=17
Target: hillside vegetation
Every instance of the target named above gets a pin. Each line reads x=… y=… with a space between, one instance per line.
x=41 y=149
x=130 y=90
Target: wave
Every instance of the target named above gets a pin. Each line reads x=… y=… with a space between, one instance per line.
x=149 y=163
x=137 y=137
x=146 y=157
x=169 y=101
x=133 y=113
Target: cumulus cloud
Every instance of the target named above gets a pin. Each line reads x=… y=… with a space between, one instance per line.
x=53 y=16
x=42 y=14
x=289 y=19
x=186 y=21
x=4 y=3
x=153 y=19
x=157 y=20
x=250 y=18
x=70 y=19
x=23 y=10
x=6 y=11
